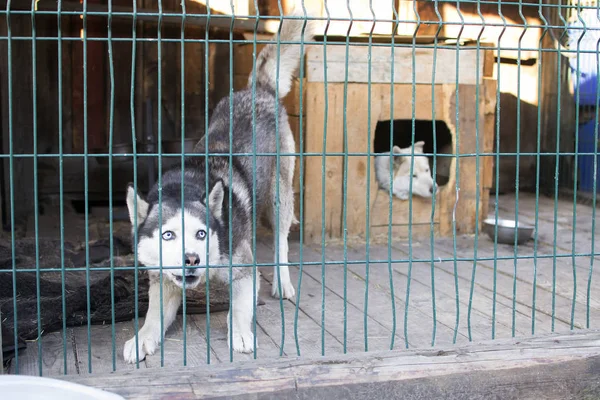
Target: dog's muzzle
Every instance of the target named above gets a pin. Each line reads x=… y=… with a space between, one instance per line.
x=192 y=277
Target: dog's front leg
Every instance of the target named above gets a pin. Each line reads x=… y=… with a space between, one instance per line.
x=240 y=335
x=149 y=335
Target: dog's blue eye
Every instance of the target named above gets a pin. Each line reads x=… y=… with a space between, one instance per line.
x=168 y=235
x=201 y=234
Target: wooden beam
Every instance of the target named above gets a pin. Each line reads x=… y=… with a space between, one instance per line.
x=549 y=367
x=358 y=65
x=217 y=20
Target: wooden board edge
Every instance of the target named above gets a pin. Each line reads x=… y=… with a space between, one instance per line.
x=553 y=365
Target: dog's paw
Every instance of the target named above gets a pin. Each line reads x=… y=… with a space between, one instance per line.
x=147 y=345
x=243 y=342
x=287 y=289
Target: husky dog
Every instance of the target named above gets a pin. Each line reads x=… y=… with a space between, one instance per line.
x=422 y=182
x=195 y=230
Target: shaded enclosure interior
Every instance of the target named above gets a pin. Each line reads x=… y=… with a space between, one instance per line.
x=433 y=133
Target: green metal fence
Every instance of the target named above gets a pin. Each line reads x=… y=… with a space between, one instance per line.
x=555 y=163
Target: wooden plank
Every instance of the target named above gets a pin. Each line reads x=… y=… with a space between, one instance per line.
x=22 y=121
x=564 y=267
x=488 y=103
x=504 y=288
x=67 y=82
x=445 y=298
x=193 y=69
x=378 y=335
x=318 y=102
x=552 y=367
x=309 y=330
x=96 y=84
x=546 y=220
x=101 y=347
x=465 y=123
x=483 y=299
x=195 y=349
x=53 y=362
x=222 y=22
x=420 y=331
x=358 y=59
x=219 y=339
x=267 y=345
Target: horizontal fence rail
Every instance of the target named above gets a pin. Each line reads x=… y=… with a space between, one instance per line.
x=490 y=112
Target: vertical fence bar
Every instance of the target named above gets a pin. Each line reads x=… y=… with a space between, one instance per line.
x=434 y=172
x=323 y=163
x=594 y=186
x=498 y=119
x=368 y=211
x=11 y=181
x=537 y=168
x=110 y=183
x=182 y=160
x=86 y=187
x=159 y=100
x=230 y=200
x=206 y=188
x=345 y=179
x=411 y=169
x=391 y=176
x=301 y=181
x=254 y=256
x=135 y=184
x=35 y=187
x=557 y=168
x=517 y=173
x=277 y=172
x=576 y=165
x=61 y=184
x=457 y=124
x=477 y=164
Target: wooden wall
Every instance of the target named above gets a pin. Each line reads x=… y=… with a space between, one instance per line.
x=143 y=85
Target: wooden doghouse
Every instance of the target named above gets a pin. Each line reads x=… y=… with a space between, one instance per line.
x=452 y=97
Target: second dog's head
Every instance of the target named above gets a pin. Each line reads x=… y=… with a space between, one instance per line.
x=178 y=236
x=422 y=182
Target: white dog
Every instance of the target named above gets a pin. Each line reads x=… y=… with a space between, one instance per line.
x=422 y=182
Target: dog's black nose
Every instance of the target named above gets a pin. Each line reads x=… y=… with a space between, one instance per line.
x=192 y=259
x=431 y=189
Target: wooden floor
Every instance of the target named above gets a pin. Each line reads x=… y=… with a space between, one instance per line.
x=502 y=289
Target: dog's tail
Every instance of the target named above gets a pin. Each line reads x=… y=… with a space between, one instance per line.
x=289 y=56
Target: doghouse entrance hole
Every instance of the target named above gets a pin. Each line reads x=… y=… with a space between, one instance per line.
x=424 y=131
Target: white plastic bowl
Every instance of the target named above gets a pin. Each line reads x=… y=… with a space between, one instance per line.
x=37 y=388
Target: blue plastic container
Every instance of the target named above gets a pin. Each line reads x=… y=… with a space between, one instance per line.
x=585 y=82
x=585 y=163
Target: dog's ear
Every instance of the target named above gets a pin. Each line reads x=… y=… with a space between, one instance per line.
x=215 y=199
x=142 y=206
x=397 y=150
x=419 y=146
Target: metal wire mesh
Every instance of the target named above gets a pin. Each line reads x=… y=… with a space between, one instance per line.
x=552 y=144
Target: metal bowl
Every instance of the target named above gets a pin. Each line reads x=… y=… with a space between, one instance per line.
x=35 y=387
x=506 y=230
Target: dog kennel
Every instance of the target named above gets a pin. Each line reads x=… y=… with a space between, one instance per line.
x=348 y=95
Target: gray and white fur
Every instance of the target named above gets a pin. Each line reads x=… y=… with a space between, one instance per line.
x=189 y=247
x=423 y=184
